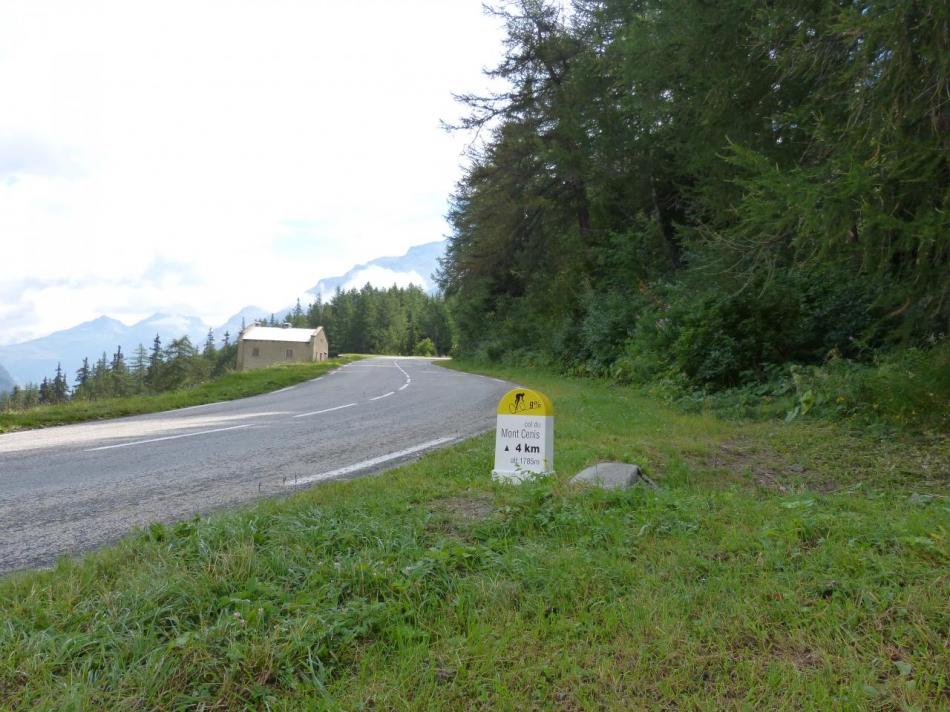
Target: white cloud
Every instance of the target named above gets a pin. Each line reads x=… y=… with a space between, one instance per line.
x=153 y=155
x=382 y=278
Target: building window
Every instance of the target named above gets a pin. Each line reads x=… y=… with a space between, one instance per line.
x=255 y=351
x=290 y=353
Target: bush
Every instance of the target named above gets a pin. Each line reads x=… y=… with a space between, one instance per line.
x=733 y=334
x=904 y=388
x=609 y=322
x=424 y=348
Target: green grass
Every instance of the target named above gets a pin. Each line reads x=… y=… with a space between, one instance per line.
x=781 y=566
x=228 y=387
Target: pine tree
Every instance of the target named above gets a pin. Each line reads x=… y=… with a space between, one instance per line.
x=183 y=365
x=153 y=375
x=139 y=369
x=83 y=375
x=297 y=317
x=59 y=387
x=101 y=381
x=209 y=349
x=118 y=374
x=45 y=392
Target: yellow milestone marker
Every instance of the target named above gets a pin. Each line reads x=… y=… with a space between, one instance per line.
x=524 y=439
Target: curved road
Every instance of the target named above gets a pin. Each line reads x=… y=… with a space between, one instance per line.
x=74 y=487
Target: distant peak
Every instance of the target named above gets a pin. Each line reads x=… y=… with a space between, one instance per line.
x=97 y=323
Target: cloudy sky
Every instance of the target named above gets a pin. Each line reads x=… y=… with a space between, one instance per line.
x=201 y=156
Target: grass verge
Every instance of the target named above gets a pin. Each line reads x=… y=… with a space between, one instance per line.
x=780 y=566
x=228 y=387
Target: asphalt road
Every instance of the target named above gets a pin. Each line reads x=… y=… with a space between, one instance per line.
x=75 y=487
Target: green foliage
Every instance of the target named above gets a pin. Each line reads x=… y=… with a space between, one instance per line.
x=905 y=388
x=720 y=336
x=424 y=348
x=383 y=321
x=703 y=193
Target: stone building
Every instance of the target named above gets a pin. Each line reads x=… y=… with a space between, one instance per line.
x=261 y=346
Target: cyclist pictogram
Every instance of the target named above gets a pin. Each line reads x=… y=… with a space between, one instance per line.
x=517 y=405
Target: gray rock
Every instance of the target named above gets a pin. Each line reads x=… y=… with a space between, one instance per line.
x=613 y=475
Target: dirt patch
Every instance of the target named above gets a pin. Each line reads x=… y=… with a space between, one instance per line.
x=802 y=657
x=746 y=462
x=464 y=509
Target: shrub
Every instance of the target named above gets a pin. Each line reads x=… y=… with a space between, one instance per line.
x=731 y=334
x=424 y=348
x=906 y=388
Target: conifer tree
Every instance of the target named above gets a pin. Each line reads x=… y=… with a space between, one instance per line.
x=60 y=389
x=101 y=381
x=118 y=374
x=153 y=375
x=45 y=392
x=209 y=349
x=139 y=369
x=83 y=375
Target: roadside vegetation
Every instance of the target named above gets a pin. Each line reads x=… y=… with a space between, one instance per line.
x=779 y=565
x=738 y=205
x=227 y=386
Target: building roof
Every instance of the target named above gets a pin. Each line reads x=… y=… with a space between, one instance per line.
x=276 y=333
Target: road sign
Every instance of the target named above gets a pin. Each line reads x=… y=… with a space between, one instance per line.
x=524 y=438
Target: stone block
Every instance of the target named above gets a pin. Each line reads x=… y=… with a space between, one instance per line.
x=613 y=475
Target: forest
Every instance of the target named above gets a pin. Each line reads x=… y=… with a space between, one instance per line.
x=397 y=320
x=711 y=195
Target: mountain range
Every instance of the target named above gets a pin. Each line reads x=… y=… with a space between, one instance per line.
x=417 y=266
x=32 y=361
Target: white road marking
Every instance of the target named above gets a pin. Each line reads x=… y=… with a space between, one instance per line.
x=408 y=378
x=371 y=462
x=203 y=405
x=282 y=390
x=497 y=379
x=325 y=410
x=367 y=365
x=385 y=395
x=170 y=437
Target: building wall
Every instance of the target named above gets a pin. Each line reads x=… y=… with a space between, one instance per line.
x=258 y=354
x=321 y=347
